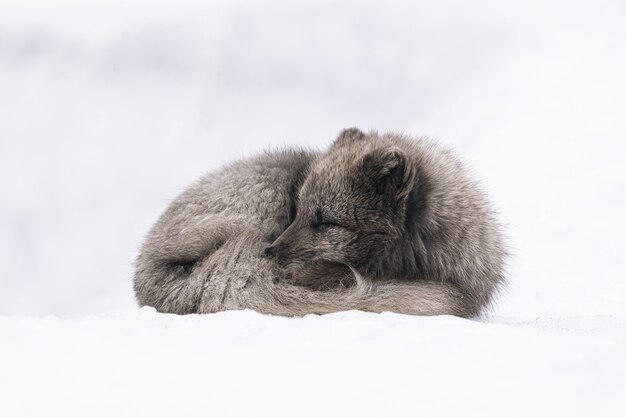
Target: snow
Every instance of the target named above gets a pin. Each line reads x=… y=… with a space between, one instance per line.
x=108 y=109
x=352 y=363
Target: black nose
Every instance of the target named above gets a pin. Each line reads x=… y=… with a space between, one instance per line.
x=270 y=251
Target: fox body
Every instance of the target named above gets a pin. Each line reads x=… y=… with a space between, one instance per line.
x=376 y=223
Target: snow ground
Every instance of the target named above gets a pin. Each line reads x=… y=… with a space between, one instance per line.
x=352 y=363
x=108 y=109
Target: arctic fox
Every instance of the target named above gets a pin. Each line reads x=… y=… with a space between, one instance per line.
x=378 y=223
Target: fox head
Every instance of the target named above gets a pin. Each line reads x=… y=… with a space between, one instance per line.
x=351 y=206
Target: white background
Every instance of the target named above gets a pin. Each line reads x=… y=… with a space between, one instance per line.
x=109 y=109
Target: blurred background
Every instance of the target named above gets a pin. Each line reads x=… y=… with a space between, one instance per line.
x=109 y=109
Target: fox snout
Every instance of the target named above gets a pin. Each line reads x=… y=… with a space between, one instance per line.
x=276 y=249
x=284 y=245
x=269 y=251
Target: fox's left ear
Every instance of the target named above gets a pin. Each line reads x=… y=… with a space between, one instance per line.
x=386 y=169
x=348 y=137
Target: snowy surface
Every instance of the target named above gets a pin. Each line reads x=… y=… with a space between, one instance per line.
x=344 y=364
x=108 y=109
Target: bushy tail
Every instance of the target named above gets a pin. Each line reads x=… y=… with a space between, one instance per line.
x=235 y=276
x=416 y=298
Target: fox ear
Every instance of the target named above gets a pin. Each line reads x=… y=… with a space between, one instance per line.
x=385 y=169
x=348 y=136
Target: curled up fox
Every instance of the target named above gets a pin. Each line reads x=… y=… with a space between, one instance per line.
x=378 y=222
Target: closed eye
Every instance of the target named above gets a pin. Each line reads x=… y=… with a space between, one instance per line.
x=325 y=225
x=322 y=224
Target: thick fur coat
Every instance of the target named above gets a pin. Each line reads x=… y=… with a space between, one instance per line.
x=376 y=223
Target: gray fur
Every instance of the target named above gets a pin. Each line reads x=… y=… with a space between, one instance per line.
x=408 y=233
